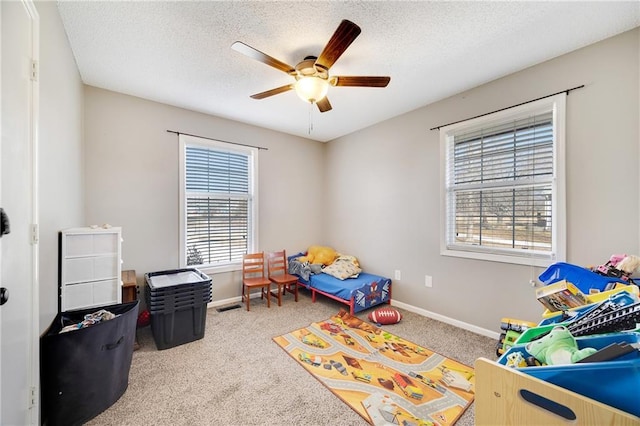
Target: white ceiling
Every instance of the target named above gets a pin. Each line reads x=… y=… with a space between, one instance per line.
x=179 y=53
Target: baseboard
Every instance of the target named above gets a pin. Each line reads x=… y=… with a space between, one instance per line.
x=445 y=319
x=230 y=301
x=410 y=308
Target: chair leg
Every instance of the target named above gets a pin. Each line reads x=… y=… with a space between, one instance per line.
x=248 y=298
x=294 y=290
x=268 y=295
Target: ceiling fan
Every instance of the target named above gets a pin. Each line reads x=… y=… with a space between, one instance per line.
x=312 y=73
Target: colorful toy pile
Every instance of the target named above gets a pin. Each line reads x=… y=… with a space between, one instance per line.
x=579 y=346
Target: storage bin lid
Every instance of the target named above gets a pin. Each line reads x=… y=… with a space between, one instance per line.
x=175 y=278
x=177 y=290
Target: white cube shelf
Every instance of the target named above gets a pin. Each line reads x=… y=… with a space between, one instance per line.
x=90 y=266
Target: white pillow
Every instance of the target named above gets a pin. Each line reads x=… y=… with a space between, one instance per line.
x=343 y=268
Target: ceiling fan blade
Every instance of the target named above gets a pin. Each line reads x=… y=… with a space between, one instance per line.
x=360 y=81
x=249 y=51
x=324 y=105
x=272 y=92
x=343 y=37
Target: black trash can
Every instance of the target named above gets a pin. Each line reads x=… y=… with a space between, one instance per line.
x=83 y=372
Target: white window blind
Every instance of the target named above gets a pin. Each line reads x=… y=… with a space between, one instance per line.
x=500 y=186
x=218 y=205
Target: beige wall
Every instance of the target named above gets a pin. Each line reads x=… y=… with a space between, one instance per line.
x=376 y=193
x=60 y=172
x=383 y=186
x=132 y=180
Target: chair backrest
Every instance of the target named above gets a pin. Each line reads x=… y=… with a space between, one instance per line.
x=277 y=263
x=253 y=265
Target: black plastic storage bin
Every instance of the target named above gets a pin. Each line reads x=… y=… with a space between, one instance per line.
x=83 y=372
x=177 y=301
x=176 y=328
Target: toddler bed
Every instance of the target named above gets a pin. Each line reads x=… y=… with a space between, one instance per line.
x=360 y=293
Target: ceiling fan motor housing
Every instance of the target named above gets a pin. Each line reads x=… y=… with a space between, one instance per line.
x=308 y=68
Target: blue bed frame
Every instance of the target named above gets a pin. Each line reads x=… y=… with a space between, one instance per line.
x=363 y=292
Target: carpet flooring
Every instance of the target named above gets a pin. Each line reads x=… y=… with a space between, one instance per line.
x=236 y=375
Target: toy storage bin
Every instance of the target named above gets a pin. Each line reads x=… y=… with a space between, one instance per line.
x=500 y=400
x=559 y=319
x=177 y=301
x=619 y=300
x=532 y=333
x=614 y=382
x=593 y=299
x=582 y=278
x=83 y=372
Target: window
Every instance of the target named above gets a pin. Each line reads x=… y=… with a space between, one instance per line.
x=503 y=191
x=219 y=203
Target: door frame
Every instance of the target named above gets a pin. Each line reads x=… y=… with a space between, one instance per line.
x=33 y=378
x=33 y=313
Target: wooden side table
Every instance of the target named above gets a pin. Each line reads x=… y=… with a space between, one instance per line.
x=130 y=294
x=129 y=286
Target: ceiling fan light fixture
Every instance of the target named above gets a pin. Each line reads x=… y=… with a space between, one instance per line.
x=311 y=88
x=312 y=73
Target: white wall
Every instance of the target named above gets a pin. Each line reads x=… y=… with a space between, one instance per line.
x=132 y=178
x=383 y=187
x=60 y=172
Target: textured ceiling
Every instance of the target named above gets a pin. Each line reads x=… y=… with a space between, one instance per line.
x=179 y=53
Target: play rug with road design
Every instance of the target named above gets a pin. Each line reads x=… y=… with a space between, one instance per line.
x=384 y=378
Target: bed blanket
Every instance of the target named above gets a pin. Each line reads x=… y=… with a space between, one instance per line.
x=302 y=269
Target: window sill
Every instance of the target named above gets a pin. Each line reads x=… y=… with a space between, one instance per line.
x=213 y=270
x=540 y=261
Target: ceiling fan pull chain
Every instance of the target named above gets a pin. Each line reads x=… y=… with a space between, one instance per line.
x=310 y=117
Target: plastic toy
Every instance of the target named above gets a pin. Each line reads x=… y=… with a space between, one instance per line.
x=619 y=266
x=558 y=347
x=515 y=359
x=607 y=318
x=512 y=328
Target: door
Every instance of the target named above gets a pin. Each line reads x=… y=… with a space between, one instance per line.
x=19 y=376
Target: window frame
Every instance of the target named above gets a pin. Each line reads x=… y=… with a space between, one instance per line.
x=252 y=153
x=555 y=104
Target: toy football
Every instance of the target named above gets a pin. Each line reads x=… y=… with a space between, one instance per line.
x=385 y=316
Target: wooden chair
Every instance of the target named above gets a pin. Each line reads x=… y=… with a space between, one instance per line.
x=253 y=276
x=278 y=273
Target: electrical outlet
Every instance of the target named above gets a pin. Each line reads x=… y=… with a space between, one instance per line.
x=428 y=281
x=398 y=275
